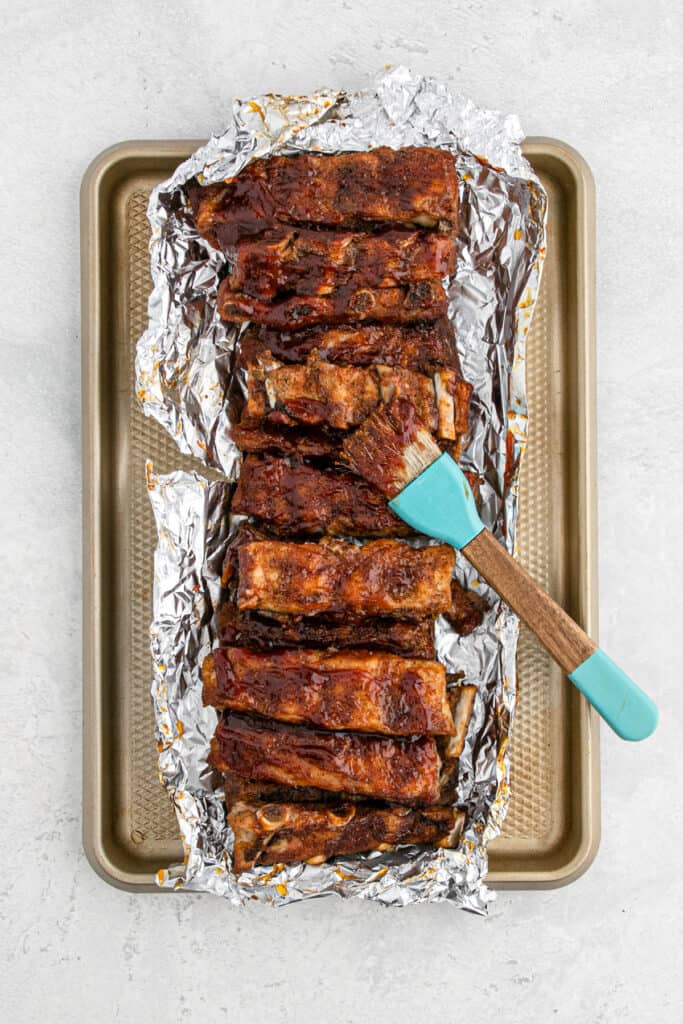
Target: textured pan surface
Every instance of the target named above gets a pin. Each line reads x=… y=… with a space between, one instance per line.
x=552 y=829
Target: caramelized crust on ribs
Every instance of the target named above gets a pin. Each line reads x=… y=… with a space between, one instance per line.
x=279 y=833
x=362 y=691
x=270 y=437
x=415 y=186
x=398 y=770
x=418 y=300
x=467 y=611
x=412 y=639
x=291 y=497
x=304 y=262
x=426 y=346
x=383 y=577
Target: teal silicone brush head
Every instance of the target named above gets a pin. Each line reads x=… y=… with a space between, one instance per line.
x=440 y=503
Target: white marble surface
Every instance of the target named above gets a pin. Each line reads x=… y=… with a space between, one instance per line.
x=77 y=77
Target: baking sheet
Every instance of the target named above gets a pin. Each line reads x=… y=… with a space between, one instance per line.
x=551 y=830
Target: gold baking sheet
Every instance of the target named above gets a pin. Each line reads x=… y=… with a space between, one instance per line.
x=552 y=830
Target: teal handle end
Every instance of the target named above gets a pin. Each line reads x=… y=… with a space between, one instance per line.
x=440 y=503
x=623 y=705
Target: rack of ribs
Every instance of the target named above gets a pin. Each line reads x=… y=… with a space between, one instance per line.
x=386 y=768
x=417 y=300
x=291 y=497
x=321 y=394
x=305 y=262
x=360 y=690
x=339 y=731
x=425 y=346
x=258 y=632
x=382 y=577
x=415 y=186
x=273 y=833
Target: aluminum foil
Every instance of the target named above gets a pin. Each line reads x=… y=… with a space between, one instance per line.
x=184 y=380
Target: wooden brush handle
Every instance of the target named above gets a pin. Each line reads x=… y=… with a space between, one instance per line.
x=439 y=503
x=559 y=634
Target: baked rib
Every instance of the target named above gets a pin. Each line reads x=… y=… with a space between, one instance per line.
x=272 y=437
x=418 y=300
x=415 y=186
x=304 y=262
x=461 y=699
x=280 y=833
x=236 y=789
x=383 y=577
x=467 y=611
x=398 y=770
x=319 y=394
x=291 y=497
x=426 y=345
x=250 y=629
x=361 y=690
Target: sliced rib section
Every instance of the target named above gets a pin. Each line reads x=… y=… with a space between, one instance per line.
x=412 y=186
x=250 y=629
x=269 y=833
x=383 y=577
x=303 y=262
x=362 y=691
x=418 y=300
x=424 y=346
x=398 y=770
x=319 y=395
x=291 y=497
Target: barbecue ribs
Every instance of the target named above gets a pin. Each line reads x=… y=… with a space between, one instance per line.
x=383 y=577
x=272 y=833
x=361 y=691
x=291 y=497
x=398 y=770
x=427 y=346
x=304 y=262
x=416 y=186
x=418 y=300
x=250 y=629
x=321 y=394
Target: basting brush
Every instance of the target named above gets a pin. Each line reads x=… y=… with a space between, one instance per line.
x=394 y=451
